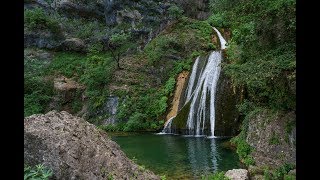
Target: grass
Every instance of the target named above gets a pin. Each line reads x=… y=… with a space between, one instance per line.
x=39 y=172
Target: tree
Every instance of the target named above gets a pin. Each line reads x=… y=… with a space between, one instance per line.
x=175 y=11
x=118 y=44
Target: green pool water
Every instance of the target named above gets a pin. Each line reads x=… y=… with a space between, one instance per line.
x=175 y=156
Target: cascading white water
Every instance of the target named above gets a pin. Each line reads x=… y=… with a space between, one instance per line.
x=206 y=85
x=223 y=42
x=198 y=95
x=167 y=127
x=191 y=80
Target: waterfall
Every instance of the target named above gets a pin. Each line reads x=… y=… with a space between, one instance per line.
x=200 y=93
x=205 y=86
x=192 y=79
x=223 y=42
x=167 y=127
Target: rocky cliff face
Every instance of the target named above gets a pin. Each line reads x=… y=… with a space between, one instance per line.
x=227 y=115
x=198 y=9
x=273 y=137
x=75 y=149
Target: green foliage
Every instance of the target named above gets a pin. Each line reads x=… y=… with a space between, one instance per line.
x=243 y=148
x=274 y=139
x=95 y=48
x=169 y=86
x=218 y=20
x=289 y=177
x=119 y=39
x=163 y=177
x=290 y=124
x=119 y=43
x=162 y=45
x=215 y=176
x=280 y=172
x=175 y=11
x=143 y=111
x=37 y=90
x=136 y=122
x=261 y=53
x=90 y=29
x=39 y=172
x=110 y=177
x=37 y=19
x=245 y=107
x=93 y=70
x=211 y=46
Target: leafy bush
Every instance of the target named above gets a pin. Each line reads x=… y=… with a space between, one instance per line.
x=245 y=107
x=280 y=172
x=39 y=172
x=169 y=86
x=161 y=46
x=243 y=148
x=215 y=176
x=37 y=91
x=93 y=70
x=218 y=20
x=136 y=122
x=175 y=11
x=261 y=54
x=38 y=19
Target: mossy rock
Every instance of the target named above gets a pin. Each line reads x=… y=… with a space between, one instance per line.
x=180 y=121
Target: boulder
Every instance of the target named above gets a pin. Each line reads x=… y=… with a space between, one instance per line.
x=67 y=91
x=74 y=44
x=42 y=39
x=237 y=174
x=75 y=149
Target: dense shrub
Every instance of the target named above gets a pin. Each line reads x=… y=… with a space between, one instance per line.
x=175 y=11
x=38 y=19
x=136 y=122
x=261 y=53
x=215 y=176
x=37 y=90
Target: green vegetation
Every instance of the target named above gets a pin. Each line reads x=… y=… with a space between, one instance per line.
x=181 y=40
x=243 y=148
x=274 y=140
x=175 y=11
x=90 y=29
x=38 y=91
x=119 y=43
x=38 y=172
x=260 y=56
x=280 y=172
x=36 y=19
x=94 y=70
x=215 y=176
x=163 y=177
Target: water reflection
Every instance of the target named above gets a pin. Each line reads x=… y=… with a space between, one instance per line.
x=203 y=155
x=178 y=157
